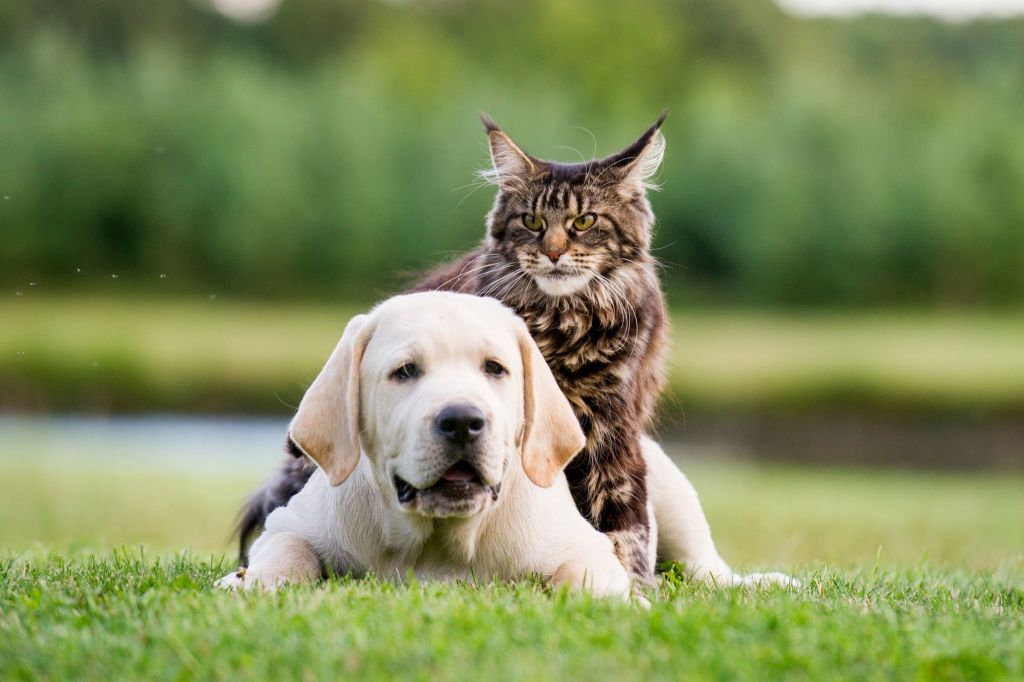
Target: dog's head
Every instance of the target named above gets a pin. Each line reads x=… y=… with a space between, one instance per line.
x=442 y=392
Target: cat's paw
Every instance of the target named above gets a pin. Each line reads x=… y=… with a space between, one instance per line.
x=640 y=600
x=234 y=581
x=607 y=580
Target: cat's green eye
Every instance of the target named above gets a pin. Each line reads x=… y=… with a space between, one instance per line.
x=532 y=222
x=584 y=222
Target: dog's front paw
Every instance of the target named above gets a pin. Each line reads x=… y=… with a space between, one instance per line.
x=768 y=579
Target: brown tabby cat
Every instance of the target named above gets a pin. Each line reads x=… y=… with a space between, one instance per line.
x=567 y=247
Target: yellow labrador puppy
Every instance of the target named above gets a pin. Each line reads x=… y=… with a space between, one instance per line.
x=441 y=436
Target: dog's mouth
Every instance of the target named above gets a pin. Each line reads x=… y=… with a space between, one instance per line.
x=460 y=481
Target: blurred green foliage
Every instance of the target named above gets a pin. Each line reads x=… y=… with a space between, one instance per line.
x=330 y=150
x=146 y=354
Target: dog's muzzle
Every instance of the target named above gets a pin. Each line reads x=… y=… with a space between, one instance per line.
x=460 y=482
x=460 y=490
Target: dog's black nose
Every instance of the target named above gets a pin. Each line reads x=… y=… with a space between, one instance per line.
x=460 y=424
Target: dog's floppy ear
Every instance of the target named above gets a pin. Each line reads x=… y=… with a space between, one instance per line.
x=551 y=434
x=326 y=427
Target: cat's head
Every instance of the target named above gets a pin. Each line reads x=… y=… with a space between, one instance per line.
x=567 y=225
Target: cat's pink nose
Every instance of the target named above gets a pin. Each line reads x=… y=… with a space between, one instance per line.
x=553 y=256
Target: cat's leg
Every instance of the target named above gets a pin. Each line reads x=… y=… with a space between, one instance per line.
x=683 y=533
x=610 y=490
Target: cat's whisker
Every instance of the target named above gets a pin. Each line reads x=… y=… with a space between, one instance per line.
x=467 y=195
x=636 y=262
x=517 y=284
x=600 y=175
x=514 y=283
x=516 y=185
x=573 y=149
x=607 y=292
x=476 y=182
x=466 y=270
x=490 y=288
x=493 y=286
x=632 y=324
x=489 y=176
x=490 y=268
x=478 y=270
x=622 y=307
x=498 y=269
x=593 y=155
x=507 y=183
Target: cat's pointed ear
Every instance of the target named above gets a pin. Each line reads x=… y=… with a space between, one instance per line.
x=510 y=165
x=635 y=166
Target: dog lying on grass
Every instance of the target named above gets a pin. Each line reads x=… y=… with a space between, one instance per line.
x=441 y=438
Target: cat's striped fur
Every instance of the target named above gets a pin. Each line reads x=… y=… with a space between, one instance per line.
x=592 y=301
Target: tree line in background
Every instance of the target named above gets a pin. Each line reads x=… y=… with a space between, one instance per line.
x=331 y=150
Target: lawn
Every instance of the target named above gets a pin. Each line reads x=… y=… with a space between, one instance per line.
x=130 y=617
x=136 y=354
x=905 y=576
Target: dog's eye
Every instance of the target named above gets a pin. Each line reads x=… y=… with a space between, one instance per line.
x=495 y=368
x=406 y=372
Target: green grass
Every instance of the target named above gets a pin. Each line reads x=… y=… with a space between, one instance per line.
x=198 y=354
x=124 y=617
x=905 y=576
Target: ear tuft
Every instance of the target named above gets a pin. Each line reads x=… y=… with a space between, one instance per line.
x=489 y=125
x=649 y=161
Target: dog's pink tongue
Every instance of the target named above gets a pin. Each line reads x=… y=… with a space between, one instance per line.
x=459 y=472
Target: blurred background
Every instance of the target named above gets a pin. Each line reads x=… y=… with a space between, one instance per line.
x=196 y=195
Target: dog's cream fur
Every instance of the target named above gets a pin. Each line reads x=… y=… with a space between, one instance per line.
x=365 y=427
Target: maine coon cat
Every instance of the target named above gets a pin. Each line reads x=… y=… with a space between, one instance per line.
x=568 y=248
